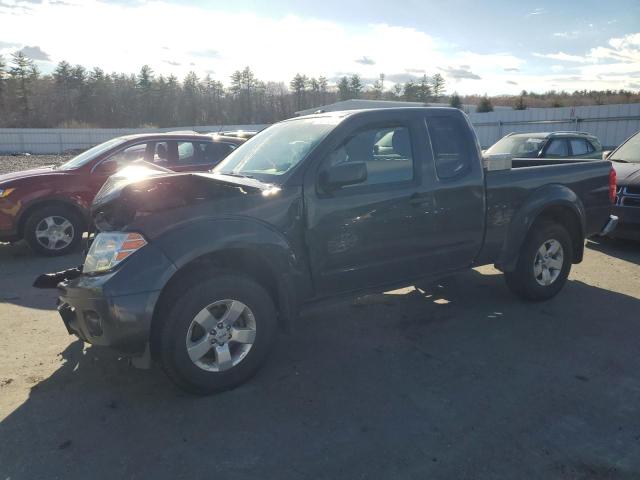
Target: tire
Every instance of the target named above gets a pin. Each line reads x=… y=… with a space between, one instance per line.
x=529 y=280
x=54 y=230
x=195 y=358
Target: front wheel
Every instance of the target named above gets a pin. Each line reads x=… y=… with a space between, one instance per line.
x=54 y=230
x=544 y=263
x=217 y=334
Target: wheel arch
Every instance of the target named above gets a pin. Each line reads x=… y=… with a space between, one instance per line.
x=49 y=202
x=555 y=203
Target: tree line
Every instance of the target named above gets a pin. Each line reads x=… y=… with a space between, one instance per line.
x=73 y=96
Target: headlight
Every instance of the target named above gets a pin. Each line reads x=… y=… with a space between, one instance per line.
x=110 y=248
x=4 y=192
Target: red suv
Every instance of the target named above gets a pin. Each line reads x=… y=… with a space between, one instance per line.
x=48 y=207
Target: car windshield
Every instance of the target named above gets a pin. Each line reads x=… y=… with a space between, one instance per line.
x=516 y=145
x=88 y=155
x=629 y=151
x=278 y=149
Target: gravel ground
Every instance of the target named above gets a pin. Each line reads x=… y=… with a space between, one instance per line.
x=461 y=381
x=16 y=163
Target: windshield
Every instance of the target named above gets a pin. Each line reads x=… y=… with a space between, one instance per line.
x=629 y=151
x=278 y=149
x=90 y=154
x=520 y=145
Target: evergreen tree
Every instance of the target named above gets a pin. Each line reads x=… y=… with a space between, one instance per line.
x=437 y=85
x=355 y=85
x=424 y=90
x=344 y=89
x=299 y=87
x=520 y=103
x=455 y=102
x=410 y=92
x=484 y=105
x=21 y=73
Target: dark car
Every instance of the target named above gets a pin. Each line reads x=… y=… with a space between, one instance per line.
x=547 y=145
x=626 y=161
x=49 y=206
x=198 y=271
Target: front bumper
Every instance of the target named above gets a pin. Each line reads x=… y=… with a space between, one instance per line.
x=116 y=309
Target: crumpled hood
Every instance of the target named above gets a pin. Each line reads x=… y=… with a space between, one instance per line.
x=34 y=172
x=627 y=173
x=124 y=198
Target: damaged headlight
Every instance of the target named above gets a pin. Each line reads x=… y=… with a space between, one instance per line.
x=110 y=248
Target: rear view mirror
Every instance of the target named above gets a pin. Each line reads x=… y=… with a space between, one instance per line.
x=606 y=154
x=348 y=173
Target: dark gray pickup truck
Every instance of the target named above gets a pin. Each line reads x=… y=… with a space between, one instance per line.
x=198 y=271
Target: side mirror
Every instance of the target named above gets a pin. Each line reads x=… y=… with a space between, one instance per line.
x=348 y=173
x=108 y=167
x=606 y=154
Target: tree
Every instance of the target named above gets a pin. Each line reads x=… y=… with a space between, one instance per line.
x=410 y=91
x=299 y=87
x=22 y=75
x=437 y=85
x=455 y=102
x=355 y=85
x=520 y=103
x=344 y=89
x=3 y=79
x=423 y=93
x=484 y=105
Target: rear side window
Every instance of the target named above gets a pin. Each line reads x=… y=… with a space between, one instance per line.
x=579 y=146
x=557 y=148
x=451 y=151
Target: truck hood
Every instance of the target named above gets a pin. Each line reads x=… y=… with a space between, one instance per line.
x=627 y=173
x=34 y=172
x=126 y=197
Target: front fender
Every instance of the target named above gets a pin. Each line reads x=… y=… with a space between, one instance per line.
x=541 y=200
x=188 y=242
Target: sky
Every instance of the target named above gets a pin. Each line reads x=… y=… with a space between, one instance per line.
x=493 y=46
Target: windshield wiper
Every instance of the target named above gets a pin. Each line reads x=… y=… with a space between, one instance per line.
x=236 y=174
x=618 y=160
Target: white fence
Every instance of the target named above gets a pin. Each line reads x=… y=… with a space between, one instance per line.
x=612 y=124
x=60 y=140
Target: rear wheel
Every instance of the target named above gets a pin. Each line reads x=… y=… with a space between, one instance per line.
x=218 y=334
x=544 y=263
x=54 y=230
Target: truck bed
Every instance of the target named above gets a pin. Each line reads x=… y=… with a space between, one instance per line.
x=508 y=190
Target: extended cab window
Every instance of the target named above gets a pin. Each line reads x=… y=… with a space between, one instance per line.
x=451 y=151
x=385 y=150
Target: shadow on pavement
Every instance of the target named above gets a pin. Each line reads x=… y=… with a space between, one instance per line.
x=627 y=250
x=459 y=380
x=19 y=267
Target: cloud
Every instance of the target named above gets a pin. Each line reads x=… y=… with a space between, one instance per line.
x=172 y=63
x=564 y=57
x=572 y=34
x=35 y=53
x=511 y=82
x=366 y=61
x=460 y=73
x=537 y=11
x=634 y=85
x=415 y=70
x=557 y=68
x=206 y=53
x=512 y=69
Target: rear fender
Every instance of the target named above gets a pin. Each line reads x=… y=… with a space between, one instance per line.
x=554 y=201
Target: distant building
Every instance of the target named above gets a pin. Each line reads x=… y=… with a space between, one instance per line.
x=360 y=104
